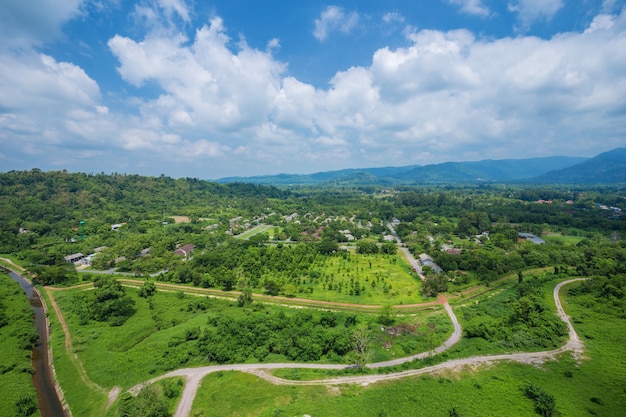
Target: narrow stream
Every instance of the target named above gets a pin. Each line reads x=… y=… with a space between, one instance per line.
x=49 y=403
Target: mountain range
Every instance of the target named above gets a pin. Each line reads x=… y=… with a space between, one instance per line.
x=605 y=168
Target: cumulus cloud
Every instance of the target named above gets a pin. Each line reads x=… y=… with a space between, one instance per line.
x=221 y=106
x=473 y=7
x=529 y=11
x=334 y=18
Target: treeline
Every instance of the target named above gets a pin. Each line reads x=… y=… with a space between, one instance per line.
x=40 y=214
x=53 y=203
x=302 y=336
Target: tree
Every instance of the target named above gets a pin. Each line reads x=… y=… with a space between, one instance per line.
x=245 y=298
x=111 y=304
x=148 y=289
x=55 y=274
x=454 y=412
x=434 y=284
x=385 y=318
x=26 y=406
x=150 y=402
x=545 y=404
x=361 y=344
x=389 y=248
x=271 y=287
x=327 y=247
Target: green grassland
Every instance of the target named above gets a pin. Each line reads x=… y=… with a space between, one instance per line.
x=16 y=334
x=595 y=387
x=381 y=279
x=163 y=335
x=165 y=331
x=84 y=399
x=262 y=228
x=562 y=239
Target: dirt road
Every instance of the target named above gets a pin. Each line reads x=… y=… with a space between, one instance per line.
x=195 y=375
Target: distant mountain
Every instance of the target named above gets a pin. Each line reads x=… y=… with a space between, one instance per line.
x=374 y=175
x=505 y=170
x=605 y=168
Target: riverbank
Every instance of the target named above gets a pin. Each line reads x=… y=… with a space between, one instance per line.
x=49 y=393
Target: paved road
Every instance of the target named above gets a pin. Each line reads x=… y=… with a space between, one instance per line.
x=417 y=267
x=195 y=375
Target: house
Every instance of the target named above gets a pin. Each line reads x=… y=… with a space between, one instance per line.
x=144 y=252
x=454 y=251
x=87 y=260
x=426 y=260
x=531 y=238
x=116 y=226
x=347 y=234
x=291 y=217
x=73 y=258
x=185 y=250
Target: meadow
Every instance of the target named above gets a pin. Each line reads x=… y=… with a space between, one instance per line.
x=365 y=279
x=172 y=329
x=594 y=387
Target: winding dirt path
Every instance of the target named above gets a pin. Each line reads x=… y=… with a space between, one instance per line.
x=19 y=268
x=112 y=395
x=115 y=391
x=194 y=376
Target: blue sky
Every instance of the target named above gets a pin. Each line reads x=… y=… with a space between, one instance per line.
x=225 y=88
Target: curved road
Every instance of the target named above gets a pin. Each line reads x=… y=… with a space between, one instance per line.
x=195 y=375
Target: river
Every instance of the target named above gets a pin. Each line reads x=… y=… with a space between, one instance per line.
x=49 y=403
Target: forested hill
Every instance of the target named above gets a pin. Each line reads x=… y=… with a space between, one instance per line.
x=504 y=170
x=354 y=176
x=606 y=168
x=36 y=199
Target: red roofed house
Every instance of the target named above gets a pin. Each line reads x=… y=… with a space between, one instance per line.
x=185 y=250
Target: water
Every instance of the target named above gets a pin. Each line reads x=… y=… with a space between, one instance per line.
x=49 y=403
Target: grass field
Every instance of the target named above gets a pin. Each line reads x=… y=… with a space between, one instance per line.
x=134 y=352
x=381 y=279
x=561 y=239
x=142 y=347
x=262 y=228
x=597 y=386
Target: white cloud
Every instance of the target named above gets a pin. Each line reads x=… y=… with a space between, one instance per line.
x=334 y=18
x=273 y=44
x=222 y=107
x=178 y=7
x=161 y=14
x=473 y=7
x=393 y=17
x=529 y=11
